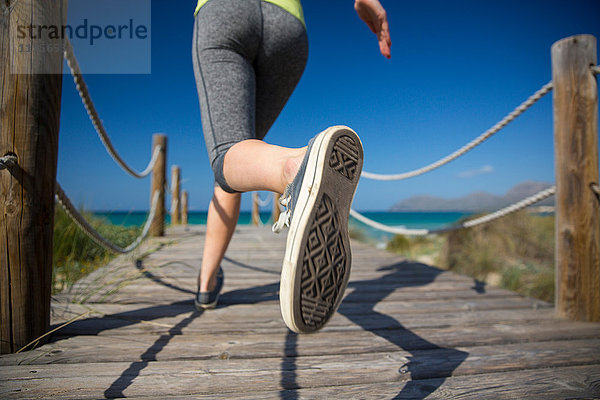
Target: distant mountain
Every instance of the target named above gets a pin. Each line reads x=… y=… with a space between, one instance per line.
x=476 y=201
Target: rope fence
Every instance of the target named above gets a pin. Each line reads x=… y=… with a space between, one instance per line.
x=95 y=118
x=536 y=198
x=67 y=205
x=62 y=199
x=534 y=98
x=469 y=146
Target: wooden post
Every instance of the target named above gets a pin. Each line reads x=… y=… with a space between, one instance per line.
x=175 y=195
x=184 y=208
x=576 y=152
x=157 y=228
x=276 y=210
x=31 y=82
x=255 y=209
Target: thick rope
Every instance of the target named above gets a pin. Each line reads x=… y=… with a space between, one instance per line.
x=468 y=224
x=8 y=161
x=93 y=114
x=67 y=205
x=263 y=203
x=389 y=229
x=544 y=194
x=469 y=146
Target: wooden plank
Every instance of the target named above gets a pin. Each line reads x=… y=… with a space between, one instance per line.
x=179 y=342
x=162 y=378
x=543 y=384
x=260 y=319
x=160 y=295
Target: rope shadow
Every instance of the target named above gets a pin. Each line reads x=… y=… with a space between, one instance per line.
x=125 y=380
x=148 y=274
x=429 y=361
x=250 y=267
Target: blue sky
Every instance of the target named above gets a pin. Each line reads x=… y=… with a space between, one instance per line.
x=457 y=68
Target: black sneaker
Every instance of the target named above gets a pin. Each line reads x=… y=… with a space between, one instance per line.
x=208 y=300
x=317 y=261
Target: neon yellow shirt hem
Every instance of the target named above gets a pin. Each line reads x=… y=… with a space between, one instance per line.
x=292 y=6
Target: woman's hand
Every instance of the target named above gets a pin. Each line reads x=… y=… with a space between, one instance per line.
x=374 y=15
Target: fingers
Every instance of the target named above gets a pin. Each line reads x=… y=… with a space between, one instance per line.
x=374 y=15
x=385 y=41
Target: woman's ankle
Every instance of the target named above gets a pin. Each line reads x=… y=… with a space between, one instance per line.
x=292 y=165
x=206 y=285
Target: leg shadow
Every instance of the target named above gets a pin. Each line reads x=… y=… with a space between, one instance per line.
x=428 y=361
x=288 y=368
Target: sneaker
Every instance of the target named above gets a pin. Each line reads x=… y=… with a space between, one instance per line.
x=317 y=261
x=208 y=300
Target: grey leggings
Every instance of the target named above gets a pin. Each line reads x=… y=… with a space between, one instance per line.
x=248 y=57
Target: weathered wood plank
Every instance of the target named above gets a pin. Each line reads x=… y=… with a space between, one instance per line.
x=543 y=384
x=162 y=378
x=180 y=344
x=263 y=319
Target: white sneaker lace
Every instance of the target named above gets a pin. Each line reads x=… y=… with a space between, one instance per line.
x=285 y=216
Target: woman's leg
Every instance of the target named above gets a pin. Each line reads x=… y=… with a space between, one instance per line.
x=255 y=165
x=223 y=213
x=241 y=94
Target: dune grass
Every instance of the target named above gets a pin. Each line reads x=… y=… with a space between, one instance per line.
x=75 y=254
x=515 y=252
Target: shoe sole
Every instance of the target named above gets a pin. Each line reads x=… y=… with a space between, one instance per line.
x=317 y=260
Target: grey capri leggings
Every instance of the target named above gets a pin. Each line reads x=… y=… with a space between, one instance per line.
x=248 y=57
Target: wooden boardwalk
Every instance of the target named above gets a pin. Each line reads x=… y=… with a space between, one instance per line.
x=404 y=330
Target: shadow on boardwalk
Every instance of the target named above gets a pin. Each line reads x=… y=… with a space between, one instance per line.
x=421 y=365
x=428 y=364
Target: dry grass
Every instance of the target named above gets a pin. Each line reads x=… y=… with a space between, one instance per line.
x=515 y=252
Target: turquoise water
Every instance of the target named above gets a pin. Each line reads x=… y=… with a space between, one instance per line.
x=410 y=220
x=424 y=220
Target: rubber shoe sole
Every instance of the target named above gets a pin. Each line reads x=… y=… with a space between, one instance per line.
x=317 y=261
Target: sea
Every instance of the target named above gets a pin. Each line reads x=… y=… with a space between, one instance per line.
x=410 y=220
